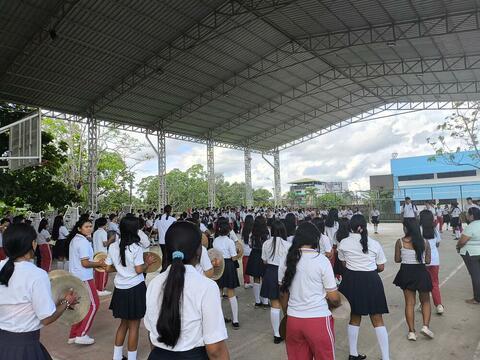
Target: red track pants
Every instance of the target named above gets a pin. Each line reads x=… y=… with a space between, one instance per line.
x=46 y=257
x=101 y=279
x=433 y=271
x=81 y=328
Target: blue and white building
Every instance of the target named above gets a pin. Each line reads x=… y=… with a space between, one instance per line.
x=423 y=180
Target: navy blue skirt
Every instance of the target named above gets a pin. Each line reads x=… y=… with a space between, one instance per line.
x=129 y=304
x=413 y=277
x=22 y=346
x=255 y=265
x=229 y=278
x=270 y=288
x=199 y=353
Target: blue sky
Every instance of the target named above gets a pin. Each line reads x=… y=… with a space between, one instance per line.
x=351 y=154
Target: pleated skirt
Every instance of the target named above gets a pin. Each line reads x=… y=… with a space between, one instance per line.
x=270 y=288
x=22 y=346
x=229 y=278
x=413 y=277
x=129 y=304
x=255 y=265
x=199 y=353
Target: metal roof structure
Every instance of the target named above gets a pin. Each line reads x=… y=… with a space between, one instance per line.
x=257 y=74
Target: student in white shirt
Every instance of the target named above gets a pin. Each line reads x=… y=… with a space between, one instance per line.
x=363 y=258
x=81 y=265
x=408 y=209
x=439 y=218
x=246 y=232
x=413 y=252
x=161 y=226
x=43 y=241
x=274 y=252
x=374 y=216
x=100 y=244
x=331 y=226
x=129 y=295
x=307 y=281
x=144 y=241
x=113 y=223
x=229 y=279
x=26 y=303
x=184 y=314
x=455 y=220
x=432 y=235
x=4 y=223
x=325 y=245
x=470 y=203
x=59 y=235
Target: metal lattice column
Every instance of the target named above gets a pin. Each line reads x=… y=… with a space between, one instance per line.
x=92 y=162
x=276 y=178
x=211 y=173
x=248 y=178
x=162 y=170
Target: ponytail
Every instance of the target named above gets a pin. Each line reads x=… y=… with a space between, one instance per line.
x=7 y=272
x=167 y=210
x=358 y=225
x=129 y=227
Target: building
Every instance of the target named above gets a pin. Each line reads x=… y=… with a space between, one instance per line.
x=423 y=180
x=321 y=187
x=381 y=182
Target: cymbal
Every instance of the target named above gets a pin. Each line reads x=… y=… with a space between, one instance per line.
x=61 y=282
x=99 y=256
x=216 y=258
x=239 y=247
x=156 y=265
x=343 y=311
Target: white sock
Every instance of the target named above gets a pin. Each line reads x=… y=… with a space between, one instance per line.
x=60 y=265
x=382 y=338
x=275 y=320
x=264 y=301
x=117 y=352
x=256 y=292
x=132 y=355
x=353 y=339
x=457 y=233
x=234 y=306
x=65 y=265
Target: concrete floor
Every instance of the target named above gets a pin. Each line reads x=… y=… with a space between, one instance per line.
x=457 y=332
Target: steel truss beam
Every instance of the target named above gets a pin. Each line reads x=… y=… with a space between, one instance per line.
x=248 y=178
x=383 y=111
x=211 y=173
x=162 y=170
x=92 y=162
x=358 y=98
x=276 y=178
x=202 y=31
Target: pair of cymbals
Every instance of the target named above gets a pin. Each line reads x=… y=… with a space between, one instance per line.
x=61 y=282
x=239 y=248
x=218 y=263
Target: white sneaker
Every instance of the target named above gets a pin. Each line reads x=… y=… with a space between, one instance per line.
x=411 y=336
x=427 y=332
x=440 y=309
x=84 y=340
x=248 y=286
x=71 y=341
x=104 y=293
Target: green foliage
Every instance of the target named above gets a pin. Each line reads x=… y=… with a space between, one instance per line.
x=262 y=197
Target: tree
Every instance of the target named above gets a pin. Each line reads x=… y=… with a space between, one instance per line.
x=262 y=197
x=293 y=198
x=458 y=133
x=310 y=196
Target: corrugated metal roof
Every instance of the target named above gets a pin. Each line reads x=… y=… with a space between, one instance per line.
x=247 y=71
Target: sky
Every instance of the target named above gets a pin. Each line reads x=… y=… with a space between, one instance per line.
x=350 y=154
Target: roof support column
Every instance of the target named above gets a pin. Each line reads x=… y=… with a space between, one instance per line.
x=276 y=178
x=248 y=178
x=162 y=170
x=211 y=173
x=92 y=162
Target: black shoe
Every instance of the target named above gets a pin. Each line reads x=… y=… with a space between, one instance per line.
x=265 y=306
x=227 y=320
x=277 y=339
x=258 y=305
x=358 y=357
x=235 y=326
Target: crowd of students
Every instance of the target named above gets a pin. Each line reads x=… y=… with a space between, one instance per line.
x=296 y=262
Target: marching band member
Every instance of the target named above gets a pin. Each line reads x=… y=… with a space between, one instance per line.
x=100 y=244
x=274 y=251
x=184 y=314
x=229 y=279
x=81 y=265
x=43 y=240
x=59 y=234
x=363 y=258
x=129 y=295
x=161 y=226
x=26 y=303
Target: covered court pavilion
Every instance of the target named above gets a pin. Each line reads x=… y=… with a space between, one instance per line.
x=254 y=75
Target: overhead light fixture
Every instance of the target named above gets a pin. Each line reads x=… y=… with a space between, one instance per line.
x=391 y=43
x=419 y=76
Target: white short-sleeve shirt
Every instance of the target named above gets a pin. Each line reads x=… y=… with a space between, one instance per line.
x=202 y=321
x=409 y=210
x=456 y=212
x=144 y=241
x=205 y=264
x=62 y=232
x=350 y=251
x=162 y=225
x=281 y=250
x=126 y=276
x=99 y=237
x=226 y=245
x=313 y=278
x=80 y=248
x=43 y=236
x=27 y=299
x=331 y=232
x=325 y=244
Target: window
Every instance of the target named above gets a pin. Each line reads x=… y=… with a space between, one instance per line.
x=454 y=174
x=415 y=177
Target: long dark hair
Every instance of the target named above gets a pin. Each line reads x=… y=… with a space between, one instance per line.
x=42 y=225
x=223 y=227
x=247 y=228
x=412 y=230
x=167 y=210
x=17 y=241
x=343 y=229
x=332 y=217
x=74 y=232
x=358 y=225
x=319 y=223
x=427 y=224
x=57 y=224
x=259 y=232
x=183 y=237
x=290 y=224
x=129 y=227
x=306 y=234
x=278 y=230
